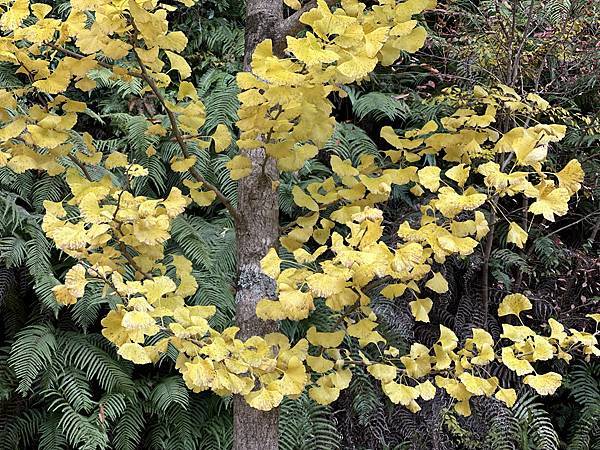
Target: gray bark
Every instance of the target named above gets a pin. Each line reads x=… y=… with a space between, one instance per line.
x=257 y=232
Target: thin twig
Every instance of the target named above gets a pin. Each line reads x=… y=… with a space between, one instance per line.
x=81 y=166
x=76 y=55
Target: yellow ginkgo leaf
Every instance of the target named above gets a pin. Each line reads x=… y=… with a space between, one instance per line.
x=459 y=174
x=319 y=364
x=482 y=338
x=323 y=339
x=437 y=283
x=187 y=90
x=426 y=390
x=271 y=264
x=448 y=339
x=179 y=64
x=239 y=167
x=356 y=68
x=375 y=40
x=310 y=50
x=543 y=350
x=48 y=138
x=63 y=295
x=571 y=176
x=222 y=138
x=304 y=200
x=182 y=165
x=265 y=399
x=75 y=280
x=514 y=304
x=520 y=366
x=400 y=393
x=477 y=385
x=13 y=129
x=546 y=384
x=429 y=177
x=516 y=333
x=135 y=353
x=485 y=355
x=303 y=257
x=364 y=331
x=413 y=41
x=394 y=290
x=454 y=388
x=16 y=14
x=557 y=331
x=203 y=198
x=115 y=49
x=324 y=395
x=383 y=372
x=550 y=202
x=86 y=84
x=116 y=159
x=508 y=396
x=516 y=235
x=407 y=257
x=343 y=168
x=391 y=137
x=420 y=309
x=463 y=408
x=325 y=285
x=294 y=377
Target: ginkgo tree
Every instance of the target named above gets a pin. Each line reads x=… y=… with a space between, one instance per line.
x=459 y=168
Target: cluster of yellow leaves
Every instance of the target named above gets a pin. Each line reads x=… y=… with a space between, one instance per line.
x=460 y=371
x=344 y=224
x=284 y=100
x=285 y=109
x=356 y=257
x=135 y=36
x=108 y=229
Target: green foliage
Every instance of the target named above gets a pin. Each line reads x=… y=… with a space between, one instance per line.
x=305 y=425
x=583 y=383
x=377 y=106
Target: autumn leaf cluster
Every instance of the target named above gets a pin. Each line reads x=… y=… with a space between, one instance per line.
x=459 y=168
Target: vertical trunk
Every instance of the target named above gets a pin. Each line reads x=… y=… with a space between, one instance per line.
x=257 y=232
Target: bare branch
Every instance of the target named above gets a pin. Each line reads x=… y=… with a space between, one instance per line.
x=81 y=166
x=182 y=144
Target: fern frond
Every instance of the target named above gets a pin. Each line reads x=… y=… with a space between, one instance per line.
x=85 y=353
x=168 y=392
x=305 y=425
x=379 y=106
x=32 y=351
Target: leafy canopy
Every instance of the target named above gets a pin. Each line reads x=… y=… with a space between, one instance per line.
x=118 y=238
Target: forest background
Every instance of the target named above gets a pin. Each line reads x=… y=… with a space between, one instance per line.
x=49 y=400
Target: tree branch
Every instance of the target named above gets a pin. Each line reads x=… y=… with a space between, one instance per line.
x=292 y=25
x=144 y=75
x=487 y=252
x=76 y=55
x=81 y=166
x=179 y=138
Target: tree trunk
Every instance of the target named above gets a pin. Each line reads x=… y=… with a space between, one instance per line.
x=257 y=232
